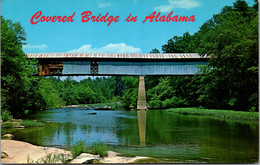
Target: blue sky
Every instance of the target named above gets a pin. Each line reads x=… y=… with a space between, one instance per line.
x=133 y=37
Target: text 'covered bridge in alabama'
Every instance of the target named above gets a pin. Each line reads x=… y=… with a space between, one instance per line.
x=119 y=64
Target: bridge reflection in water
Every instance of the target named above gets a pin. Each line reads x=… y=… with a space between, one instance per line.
x=141 y=117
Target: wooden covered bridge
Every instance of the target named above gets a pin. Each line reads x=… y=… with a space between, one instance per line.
x=119 y=64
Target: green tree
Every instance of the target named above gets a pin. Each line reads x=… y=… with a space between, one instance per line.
x=169 y=92
x=182 y=44
x=20 y=89
x=50 y=94
x=232 y=78
x=130 y=94
x=16 y=70
x=230 y=81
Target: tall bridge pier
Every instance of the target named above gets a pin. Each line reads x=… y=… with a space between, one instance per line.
x=141 y=101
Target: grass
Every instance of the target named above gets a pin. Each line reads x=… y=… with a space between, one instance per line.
x=50 y=159
x=218 y=114
x=78 y=148
x=7 y=125
x=17 y=123
x=100 y=148
x=30 y=123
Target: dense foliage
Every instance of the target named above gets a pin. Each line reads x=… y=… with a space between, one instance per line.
x=87 y=91
x=232 y=42
x=15 y=68
x=21 y=92
x=230 y=81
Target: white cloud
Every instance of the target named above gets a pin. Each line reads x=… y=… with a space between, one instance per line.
x=110 y=48
x=103 y=4
x=174 y=4
x=29 y=46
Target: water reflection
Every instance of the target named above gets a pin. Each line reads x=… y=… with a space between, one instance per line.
x=141 y=117
x=157 y=134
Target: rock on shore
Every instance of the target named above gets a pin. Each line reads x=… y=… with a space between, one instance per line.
x=8 y=136
x=18 y=152
x=114 y=158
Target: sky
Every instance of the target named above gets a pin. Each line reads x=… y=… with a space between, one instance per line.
x=119 y=37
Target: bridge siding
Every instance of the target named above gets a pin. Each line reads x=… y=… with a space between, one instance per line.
x=151 y=68
x=133 y=68
x=76 y=67
x=119 y=63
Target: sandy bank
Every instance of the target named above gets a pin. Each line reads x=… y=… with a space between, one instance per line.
x=18 y=152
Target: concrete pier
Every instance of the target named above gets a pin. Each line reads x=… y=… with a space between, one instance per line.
x=141 y=101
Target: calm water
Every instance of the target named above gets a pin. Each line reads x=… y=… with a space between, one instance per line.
x=166 y=136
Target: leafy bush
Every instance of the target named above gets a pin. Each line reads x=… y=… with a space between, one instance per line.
x=26 y=112
x=174 y=102
x=155 y=103
x=168 y=103
x=100 y=148
x=252 y=109
x=78 y=148
x=6 y=115
x=30 y=123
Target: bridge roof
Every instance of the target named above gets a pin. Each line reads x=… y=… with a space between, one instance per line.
x=116 y=55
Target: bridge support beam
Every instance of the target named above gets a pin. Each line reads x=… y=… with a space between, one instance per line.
x=141 y=101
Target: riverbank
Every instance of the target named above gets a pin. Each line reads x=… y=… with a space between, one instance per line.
x=218 y=114
x=19 y=123
x=13 y=151
x=98 y=106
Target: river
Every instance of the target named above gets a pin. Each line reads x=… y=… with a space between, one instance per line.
x=167 y=137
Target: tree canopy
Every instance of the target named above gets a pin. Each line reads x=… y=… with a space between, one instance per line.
x=230 y=38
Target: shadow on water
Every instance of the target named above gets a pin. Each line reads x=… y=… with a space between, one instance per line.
x=167 y=137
